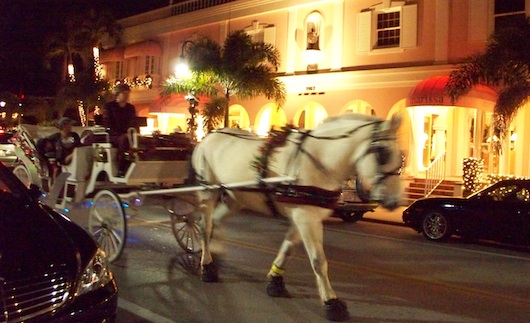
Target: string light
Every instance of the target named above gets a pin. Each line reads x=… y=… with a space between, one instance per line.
x=98 y=67
x=137 y=82
x=82 y=114
x=472 y=173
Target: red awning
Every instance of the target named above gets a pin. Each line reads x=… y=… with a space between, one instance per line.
x=432 y=92
x=111 y=55
x=145 y=48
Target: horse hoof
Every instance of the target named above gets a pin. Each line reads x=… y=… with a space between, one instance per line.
x=276 y=287
x=336 y=310
x=209 y=273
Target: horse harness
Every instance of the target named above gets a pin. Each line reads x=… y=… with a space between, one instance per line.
x=303 y=194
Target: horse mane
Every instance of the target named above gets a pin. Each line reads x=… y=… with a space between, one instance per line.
x=337 y=123
x=236 y=132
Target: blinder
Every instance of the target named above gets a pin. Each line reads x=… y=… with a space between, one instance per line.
x=381 y=152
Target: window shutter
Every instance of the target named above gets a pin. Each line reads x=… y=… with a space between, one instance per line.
x=364 y=31
x=477 y=20
x=269 y=35
x=409 y=26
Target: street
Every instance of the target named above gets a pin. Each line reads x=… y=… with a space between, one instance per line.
x=385 y=273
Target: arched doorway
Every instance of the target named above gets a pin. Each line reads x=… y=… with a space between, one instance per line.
x=269 y=117
x=309 y=116
x=441 y=127
x=404 y=133
x=238 y=117
x=358 y=106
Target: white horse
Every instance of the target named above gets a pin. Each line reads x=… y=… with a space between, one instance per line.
x=320 y=160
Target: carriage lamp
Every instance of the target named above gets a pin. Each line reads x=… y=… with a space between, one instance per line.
x=183 y=70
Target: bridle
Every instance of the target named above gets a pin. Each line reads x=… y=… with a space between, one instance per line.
x=383 y=156
x=375 y=147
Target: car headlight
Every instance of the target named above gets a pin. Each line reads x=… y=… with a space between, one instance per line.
x=96 y=274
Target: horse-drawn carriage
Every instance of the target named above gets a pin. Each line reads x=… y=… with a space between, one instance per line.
x=91 y=179
x=299 y=173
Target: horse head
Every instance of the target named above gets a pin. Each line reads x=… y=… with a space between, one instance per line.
x=379 y=164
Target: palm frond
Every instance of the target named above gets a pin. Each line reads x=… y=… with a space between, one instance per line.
x=504 y=65
x=213 y=113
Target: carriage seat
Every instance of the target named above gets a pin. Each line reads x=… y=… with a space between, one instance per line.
x=80 y=168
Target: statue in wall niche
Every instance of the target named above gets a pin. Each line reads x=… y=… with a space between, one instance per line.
x=313 y=36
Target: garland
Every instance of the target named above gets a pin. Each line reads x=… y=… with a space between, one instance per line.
x=277 y=138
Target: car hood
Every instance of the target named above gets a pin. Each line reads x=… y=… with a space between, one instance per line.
x=35 y=240
x=439 y=200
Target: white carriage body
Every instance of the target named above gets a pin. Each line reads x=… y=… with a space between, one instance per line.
x=94 y=166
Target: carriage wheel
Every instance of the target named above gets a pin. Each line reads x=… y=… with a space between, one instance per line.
x=22 y=173
x=106 y=223
x=185 y=225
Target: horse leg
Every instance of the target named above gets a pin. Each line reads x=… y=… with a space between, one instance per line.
x=276 y=285
x=208 y=269
x=312 y=233
x=213 y=211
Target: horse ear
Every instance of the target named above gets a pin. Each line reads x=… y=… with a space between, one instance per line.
x=395 y=122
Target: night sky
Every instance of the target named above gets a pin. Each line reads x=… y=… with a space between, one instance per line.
x=24 y=24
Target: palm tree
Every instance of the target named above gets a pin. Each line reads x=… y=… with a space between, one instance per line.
x=75 y=42
x=503 y=65
x=240 y=67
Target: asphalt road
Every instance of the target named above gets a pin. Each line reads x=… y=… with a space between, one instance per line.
x=385 y=273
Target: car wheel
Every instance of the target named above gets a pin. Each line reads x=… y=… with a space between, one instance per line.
x=436 y=226
x=351 y=217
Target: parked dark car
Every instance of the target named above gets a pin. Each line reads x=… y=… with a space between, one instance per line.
x=7 y=149
x=500 y=212
x=51 y=270
x=350 y=207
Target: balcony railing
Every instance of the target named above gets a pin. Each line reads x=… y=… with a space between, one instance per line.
x=194 y=5
x=434 y=174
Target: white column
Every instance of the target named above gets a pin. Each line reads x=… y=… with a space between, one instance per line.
x=336 y=40
x=522 y=146
x=290 y=56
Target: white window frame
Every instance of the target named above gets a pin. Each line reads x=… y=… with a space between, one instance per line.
x=261 y=32
x=367 y=27
x=150 y=64
x=507 y=14
x=119 y=70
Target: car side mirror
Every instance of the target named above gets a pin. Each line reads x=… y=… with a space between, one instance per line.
x=34 y=192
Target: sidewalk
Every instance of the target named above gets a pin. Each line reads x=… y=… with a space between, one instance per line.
x=385 y=216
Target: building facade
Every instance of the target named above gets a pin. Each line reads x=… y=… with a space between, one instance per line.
x=378 y=57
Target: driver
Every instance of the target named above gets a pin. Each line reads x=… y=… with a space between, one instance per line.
x=118 y=116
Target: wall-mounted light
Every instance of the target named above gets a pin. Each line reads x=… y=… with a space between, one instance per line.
x=312 y=56
x=182 y=70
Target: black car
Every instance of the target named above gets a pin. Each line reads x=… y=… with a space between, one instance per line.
x=51 y=270
x=500 y=212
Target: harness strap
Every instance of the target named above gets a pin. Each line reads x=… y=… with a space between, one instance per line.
x=298 y=194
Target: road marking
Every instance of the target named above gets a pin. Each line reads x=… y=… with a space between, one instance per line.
x=142 y=312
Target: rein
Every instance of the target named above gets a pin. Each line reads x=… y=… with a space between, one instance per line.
x=301 y=194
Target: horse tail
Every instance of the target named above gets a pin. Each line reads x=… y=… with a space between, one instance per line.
x=199 y=164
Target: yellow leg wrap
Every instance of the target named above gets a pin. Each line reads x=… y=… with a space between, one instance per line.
x=277 y=270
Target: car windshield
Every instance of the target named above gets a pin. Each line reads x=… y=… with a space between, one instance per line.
x=5 y=138
x=10 y=186
x=505 y=192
